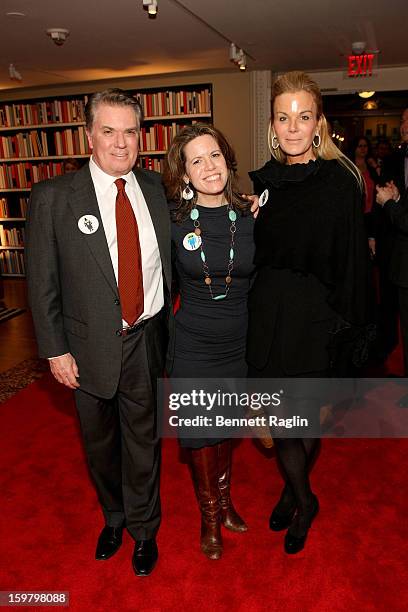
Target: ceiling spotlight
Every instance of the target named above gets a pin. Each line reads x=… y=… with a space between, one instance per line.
x=58 y=35
x=241 y=61
x=151 y=6
x=233 y=53
x=237 y=56
x=14 y=74
x=366 y=94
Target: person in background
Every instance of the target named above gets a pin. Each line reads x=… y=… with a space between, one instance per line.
x=389 y=251
x=395 y=207
x=312 y=282
x=383 y=151
x=361 y=154
x=396 y=166
x=99 y=278
x=213 y=249
x=71 y=164
x=379 y=232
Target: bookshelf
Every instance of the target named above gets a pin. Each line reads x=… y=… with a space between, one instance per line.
x=37 y=135
x=13 y=209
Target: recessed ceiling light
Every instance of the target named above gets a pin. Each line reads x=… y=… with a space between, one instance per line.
x=366 y=94
x=15 y=14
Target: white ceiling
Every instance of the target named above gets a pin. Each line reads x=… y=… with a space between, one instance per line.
x=115 y=38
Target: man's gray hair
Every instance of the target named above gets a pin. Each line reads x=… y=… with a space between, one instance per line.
x=111 y=97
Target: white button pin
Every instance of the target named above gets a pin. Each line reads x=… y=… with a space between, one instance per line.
x=263 y=198
x=88 y=224
x=191 y=242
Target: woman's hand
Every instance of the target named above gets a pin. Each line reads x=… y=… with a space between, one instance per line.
x=255 y=203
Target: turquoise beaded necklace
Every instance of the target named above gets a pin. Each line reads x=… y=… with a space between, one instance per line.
x=232 y=215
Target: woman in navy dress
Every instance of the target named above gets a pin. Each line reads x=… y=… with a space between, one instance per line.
x=213 y=251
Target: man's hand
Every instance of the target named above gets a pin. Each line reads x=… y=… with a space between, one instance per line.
x=65 y=370
x=388 y=192
x=255 y=203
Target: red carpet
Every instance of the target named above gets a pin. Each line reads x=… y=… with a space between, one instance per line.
x=355 y=559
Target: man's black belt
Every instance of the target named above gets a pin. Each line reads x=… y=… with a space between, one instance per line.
x=132 y=329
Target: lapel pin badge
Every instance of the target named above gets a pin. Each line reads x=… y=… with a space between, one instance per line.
x=191 y=242
x=263 y=198
x=88 y=224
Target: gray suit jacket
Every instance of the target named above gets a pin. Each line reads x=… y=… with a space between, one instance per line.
x=72 y=287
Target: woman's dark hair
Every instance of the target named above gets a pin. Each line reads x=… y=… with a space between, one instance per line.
x=353 y=147
x=174 y=170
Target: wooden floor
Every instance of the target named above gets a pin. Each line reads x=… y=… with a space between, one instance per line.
x=17 y=340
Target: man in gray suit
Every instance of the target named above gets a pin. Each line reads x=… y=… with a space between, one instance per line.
x=99 y=274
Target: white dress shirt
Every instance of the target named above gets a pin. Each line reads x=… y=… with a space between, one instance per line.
x=106 y=192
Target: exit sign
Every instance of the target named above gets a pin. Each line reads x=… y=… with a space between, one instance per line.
x=360 y=65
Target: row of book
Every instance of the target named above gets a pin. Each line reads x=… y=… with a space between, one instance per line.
x=151 y=163
x=158 y=137
x=28 y=144
x=12 y=262
x=13 y=209
x=14 y=236
x=24 y=175
x=71 y=142
x=71 y=111
x=37 y=113
x=175 y=102
x=43 y=144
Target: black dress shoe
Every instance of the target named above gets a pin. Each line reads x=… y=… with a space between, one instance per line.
x=278 y=521
x=145 y=557
x=294 y=544
x=109 y=542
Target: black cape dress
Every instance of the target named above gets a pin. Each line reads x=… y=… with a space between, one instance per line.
x=313 y=267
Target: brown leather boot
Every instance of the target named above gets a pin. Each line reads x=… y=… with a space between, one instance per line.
x=229 y=516
x=204 y=467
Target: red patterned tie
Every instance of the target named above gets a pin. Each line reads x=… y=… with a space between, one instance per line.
x=130 y=277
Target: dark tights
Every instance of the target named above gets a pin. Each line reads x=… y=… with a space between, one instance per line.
x=296 y=456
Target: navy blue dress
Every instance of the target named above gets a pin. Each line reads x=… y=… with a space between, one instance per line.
x=210 y=339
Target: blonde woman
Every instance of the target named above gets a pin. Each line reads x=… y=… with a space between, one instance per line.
x=312 y=280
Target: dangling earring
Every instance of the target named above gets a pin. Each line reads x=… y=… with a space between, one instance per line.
x=319 y=139
x=277 y=143
x=187 y=193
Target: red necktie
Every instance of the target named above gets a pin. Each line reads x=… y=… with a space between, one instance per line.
x=130 y=277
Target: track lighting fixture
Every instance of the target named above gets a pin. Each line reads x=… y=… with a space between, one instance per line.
x=14 y=74
x=233 y=53
x=237 y=56
x=151 y=6
x=241 y=60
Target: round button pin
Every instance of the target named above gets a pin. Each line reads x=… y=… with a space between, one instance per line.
x=88 y=224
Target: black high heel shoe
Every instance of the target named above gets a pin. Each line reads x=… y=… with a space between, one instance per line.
x=279 y=521
x=294 y=544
